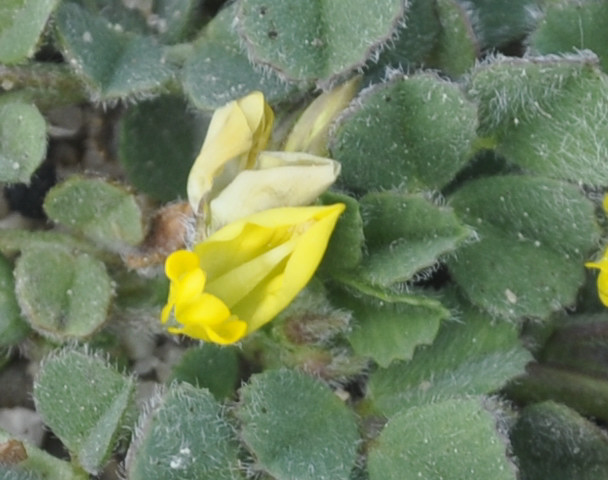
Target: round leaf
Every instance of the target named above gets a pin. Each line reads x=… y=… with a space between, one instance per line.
x=184 y=436
x=573 y=26
x=316 y=39
x=414 y=133
x=218 y=70
x=292 y=422
x=21 y=23
x=114 y=64
x=22 y=141
x=85 y=402
x=63 y=295
x=553 y=441
x=160 y=168
x=209 y=366
x=101 y=211
x=534 y=235
x=455 y=439
x=547 y=115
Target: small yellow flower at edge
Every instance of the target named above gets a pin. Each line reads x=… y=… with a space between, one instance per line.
x=602 y=278
x=602 y=266
x=243 y=275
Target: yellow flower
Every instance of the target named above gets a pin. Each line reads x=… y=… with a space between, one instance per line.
x=602 y=278
x=244 y=274
x=233 y=177
x=602 y=266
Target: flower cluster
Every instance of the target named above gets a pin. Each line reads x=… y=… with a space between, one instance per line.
x=261 y=245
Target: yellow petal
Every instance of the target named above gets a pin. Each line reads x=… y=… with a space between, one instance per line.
x=310 y=132
x=272 y=219
x=179 y=263
x=199 y=333
x=166 y=310
x=243 y=244
x=602 y=286
x=602 y=278
x=260 y=118
x=206 y=309
x=255 y=267
x=209 y=319
x=279 y=179
x=228 y=332
x=189 y=287
x=236 y=133
x=236 y=284
x=271 y=296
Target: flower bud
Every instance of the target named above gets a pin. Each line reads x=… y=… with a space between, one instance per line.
x=236 y=134
x=310 y=133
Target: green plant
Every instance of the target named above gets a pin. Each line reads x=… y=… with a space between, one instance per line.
x=451 y=329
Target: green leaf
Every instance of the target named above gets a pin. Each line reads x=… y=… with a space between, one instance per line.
x=218 y=70
x=105 y=213
x=21 y=23
x=22 y=141
x=13 y=241
x=13 y=327
x=414 y=40
x=405 y=234
x=160 y=168
x=578 y=343
x=174 y=19
x=584 y=392
x=126 y=17
x=391 y=328
x=314 y=40
x=471 y=355
x=209 y=366
x=534 y=234
x=85 y=402
x=39 y=465
x=114 y=64
x=292 y=422
x=62 y=294
x=571 y=27
x=547 y=115
x=344 y=251
x=413 y=133
x=184 y=435
x=552 y=441
x=498 y=23
x=456 y=48
x=454 y=439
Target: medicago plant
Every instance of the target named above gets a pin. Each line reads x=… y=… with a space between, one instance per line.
x=304 y=239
